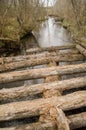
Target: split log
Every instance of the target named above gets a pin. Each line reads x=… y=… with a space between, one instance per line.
x=25 y=91
x=41 y=73
x=53 y=48
x=4 y=60
x=34 y=126
x=81 y=49
x=83 y=43
x=61 y=119
x=40 y=61
x=75 y=121
x=24 y=109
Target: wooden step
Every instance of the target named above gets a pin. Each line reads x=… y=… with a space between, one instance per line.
x=4 y=60
x=53 y=48
x=41 y=73
x=25 y=109
x=40 y=61
x=26 y=91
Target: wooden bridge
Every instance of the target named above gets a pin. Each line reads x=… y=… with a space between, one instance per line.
x=59 y=102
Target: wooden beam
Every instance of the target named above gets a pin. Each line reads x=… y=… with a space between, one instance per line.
x=81 y=50
x=40 y=61
x=75 y=121
x=53 y=48
x=25 y=91
x=60 y=118
x=4 y=60
x=24 y=109
x=41 y=73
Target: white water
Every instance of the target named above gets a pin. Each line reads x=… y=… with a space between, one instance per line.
x=52 y=34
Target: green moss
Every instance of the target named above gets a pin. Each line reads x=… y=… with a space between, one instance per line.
x=11 y=29
x=65 y=24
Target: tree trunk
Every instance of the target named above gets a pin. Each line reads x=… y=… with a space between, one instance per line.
x=42 y=54
x=61 y=119
x=41 y=73
x=40 y=61
x=75 y=121
x=36 y=50
x=24 y=109
x=81 y=50
x=25 y=91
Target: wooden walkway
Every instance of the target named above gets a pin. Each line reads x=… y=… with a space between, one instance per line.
x=59 y=102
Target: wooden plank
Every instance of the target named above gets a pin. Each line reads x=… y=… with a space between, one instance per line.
x=81 y=49
x=53 y=48
x=41 y=73
x=24 y=109
x=40 y=61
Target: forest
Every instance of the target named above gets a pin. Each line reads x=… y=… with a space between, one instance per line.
x=22 y=16
x=42 y=64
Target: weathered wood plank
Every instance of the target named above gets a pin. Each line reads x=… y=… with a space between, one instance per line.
x=24 y=109
x=41 y=73
x=53 y=48
x=81 y=49
x=40 y=61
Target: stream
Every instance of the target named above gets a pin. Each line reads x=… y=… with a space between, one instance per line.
x=52 y=33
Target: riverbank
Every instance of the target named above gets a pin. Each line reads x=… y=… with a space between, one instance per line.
x=77 y=34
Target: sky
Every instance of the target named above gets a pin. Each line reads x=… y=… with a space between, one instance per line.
x=50 y=2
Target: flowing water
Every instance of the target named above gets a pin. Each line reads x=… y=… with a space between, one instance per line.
x=52 y=33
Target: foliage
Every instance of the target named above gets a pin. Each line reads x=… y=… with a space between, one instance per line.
x=18 y=17
x=74 y=13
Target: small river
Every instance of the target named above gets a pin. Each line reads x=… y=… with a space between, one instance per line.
x=52 y=33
